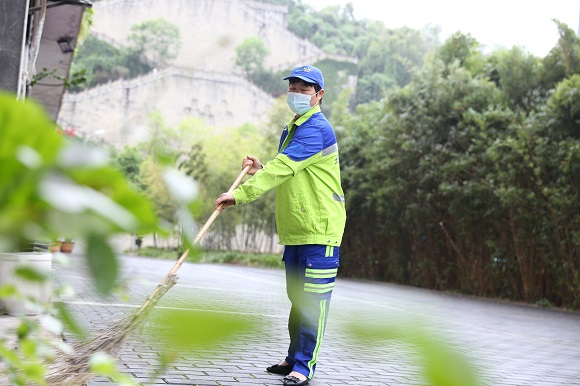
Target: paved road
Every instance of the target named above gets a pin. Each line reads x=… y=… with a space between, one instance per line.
x=510 y=344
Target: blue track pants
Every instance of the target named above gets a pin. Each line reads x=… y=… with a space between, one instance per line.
x=310 y=277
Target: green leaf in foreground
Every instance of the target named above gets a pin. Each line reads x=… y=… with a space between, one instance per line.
x=31 y=274
x=441 y=365
x=104 y=364
x=198 y=328
x=103 y=264
x=68 y=320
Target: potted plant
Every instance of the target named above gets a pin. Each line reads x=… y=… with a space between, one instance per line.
x=54 y=246
x=67 y=245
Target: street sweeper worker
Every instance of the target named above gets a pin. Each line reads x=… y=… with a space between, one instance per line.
x=310 y=217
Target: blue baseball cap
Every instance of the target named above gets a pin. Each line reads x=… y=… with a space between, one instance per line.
x=308 y=74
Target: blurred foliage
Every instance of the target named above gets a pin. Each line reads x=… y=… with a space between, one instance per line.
x=103 y=364
x=211 y=327
x=26 y=365
x=190 y=332
x=51 y=187
x=440 y=364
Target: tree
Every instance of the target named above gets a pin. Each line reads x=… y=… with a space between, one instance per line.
x=564 y=59
x=463 y=48
x=250 y=56
x=333 y=29
x=158 y=40
x=129 y=161
x=564 y=108
x=212 y=159
x=194 y=163
x=518 y=75
x=101 y=60
x=151 y=178
x=164 y=143
x=388 y=58
x=373 y=87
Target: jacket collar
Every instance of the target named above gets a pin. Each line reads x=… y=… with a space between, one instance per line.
x=304 y=117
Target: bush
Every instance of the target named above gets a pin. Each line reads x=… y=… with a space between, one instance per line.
x=221 y=257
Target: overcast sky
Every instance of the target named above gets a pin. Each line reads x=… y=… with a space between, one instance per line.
x=494 y=23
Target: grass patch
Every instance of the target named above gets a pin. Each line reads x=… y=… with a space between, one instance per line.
x=223 y=257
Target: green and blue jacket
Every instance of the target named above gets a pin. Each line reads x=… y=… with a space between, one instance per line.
x=310 y=206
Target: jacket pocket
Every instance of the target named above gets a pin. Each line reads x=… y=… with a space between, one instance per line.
x=318 y=261
x=320 y=274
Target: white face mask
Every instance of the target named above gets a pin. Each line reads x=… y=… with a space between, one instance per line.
x=299 y=103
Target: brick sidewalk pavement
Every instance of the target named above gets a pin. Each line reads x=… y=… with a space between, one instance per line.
x=511 y=344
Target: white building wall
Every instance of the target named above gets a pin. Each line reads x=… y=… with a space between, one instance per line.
x=121 y=108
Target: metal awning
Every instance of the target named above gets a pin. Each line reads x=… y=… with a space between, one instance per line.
x=57 y=3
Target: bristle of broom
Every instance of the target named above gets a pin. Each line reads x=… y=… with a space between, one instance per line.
x=75 y=370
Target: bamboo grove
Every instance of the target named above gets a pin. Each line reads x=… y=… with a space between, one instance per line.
x=468 y=178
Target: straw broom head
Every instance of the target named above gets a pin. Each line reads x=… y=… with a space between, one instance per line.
x=75 y=370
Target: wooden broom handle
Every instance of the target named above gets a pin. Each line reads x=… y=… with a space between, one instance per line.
x=200 y=234
x=209 y=221
x=215 y=213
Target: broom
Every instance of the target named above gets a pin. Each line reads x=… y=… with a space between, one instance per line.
x=76 y=370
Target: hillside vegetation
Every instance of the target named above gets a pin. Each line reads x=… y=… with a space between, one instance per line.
x=387 y=57
x=152 y=44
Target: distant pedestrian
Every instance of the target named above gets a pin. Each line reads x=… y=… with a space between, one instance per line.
x=310 y=217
